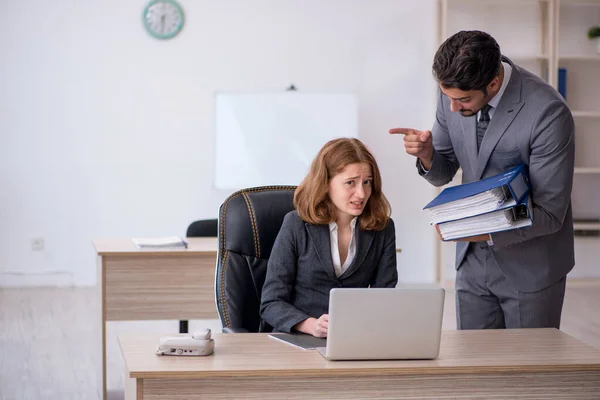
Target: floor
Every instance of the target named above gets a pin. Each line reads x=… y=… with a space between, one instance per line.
x=50 y=339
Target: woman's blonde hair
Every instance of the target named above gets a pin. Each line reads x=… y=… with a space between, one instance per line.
x=311 y=199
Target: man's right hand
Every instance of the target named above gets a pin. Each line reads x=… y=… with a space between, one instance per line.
x=418 y=144
x=313 y=326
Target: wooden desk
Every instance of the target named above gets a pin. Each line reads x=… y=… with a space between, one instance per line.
x=503 y=364
x=155 y=284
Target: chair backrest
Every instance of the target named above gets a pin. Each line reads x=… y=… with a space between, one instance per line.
x=249 y=221
x=203 y=228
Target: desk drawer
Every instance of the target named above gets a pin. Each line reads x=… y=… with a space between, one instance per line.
x=159 y=287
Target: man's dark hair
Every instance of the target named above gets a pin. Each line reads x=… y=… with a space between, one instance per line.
x=467 y=60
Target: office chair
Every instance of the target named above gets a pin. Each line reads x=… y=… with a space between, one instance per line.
x=201 y=228
x=249 y=221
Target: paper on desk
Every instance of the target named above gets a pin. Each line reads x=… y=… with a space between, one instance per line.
x=157 y=242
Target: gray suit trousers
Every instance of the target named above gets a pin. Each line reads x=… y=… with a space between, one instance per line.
x=486 y=300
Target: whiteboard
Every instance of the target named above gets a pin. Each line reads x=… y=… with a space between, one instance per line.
x=271 y=138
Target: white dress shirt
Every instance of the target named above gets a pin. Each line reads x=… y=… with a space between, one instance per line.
x=496 y=99
x=335 y=251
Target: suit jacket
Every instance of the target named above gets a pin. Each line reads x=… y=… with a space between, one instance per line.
x=300 y=271
x=534 y=126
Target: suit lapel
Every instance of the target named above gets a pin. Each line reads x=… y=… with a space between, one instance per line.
x=508 y=108
x=319 y=234
x=364 y=241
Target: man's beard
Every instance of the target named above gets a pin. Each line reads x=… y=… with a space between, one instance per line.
x=467 y=113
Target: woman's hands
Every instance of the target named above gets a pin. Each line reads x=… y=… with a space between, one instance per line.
x=316 y=327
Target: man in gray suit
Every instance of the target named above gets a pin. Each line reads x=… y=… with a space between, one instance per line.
x=493 y=115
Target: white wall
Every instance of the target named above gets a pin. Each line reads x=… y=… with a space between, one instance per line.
x=107 y=132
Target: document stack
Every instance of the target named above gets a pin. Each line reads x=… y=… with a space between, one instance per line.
x=169 y=242
x=494 y=204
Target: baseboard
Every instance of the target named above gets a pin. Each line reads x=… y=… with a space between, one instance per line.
x=9 y=279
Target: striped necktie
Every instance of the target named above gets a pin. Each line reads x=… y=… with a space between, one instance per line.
x=482 y=124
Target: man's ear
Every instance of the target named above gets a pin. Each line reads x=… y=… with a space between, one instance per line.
x=494 y=84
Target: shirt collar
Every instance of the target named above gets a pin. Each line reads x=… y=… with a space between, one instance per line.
x=333 y=225
x=507 y=73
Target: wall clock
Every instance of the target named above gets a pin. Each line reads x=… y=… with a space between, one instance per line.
x=163 y=19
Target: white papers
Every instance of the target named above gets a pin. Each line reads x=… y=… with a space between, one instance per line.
x=481 y=224
x=480 y=203
x=160 y=242
x=497 y=203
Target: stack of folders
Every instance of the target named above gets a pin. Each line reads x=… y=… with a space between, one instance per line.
x=494 y=204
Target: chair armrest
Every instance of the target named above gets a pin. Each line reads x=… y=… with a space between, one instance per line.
x=235 y=330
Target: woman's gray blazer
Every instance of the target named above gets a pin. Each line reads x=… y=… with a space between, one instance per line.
x=300 y=271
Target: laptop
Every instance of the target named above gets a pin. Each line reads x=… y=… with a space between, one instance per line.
x=400 y=323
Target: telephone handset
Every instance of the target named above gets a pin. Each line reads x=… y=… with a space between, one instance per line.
x=198 y=344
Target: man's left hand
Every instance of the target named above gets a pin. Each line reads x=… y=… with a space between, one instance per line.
x=478 y=238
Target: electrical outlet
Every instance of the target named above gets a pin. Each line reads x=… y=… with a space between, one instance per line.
x=37 y=244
